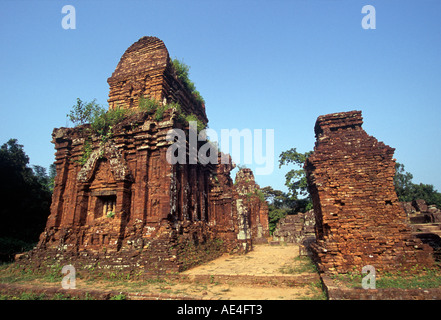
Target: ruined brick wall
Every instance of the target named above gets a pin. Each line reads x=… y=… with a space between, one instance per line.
x=223 y=209
x=359 y=220
x=419 y=212
x=252 y=206
x=298 y=228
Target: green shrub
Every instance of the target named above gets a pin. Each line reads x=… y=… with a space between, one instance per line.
x=183 y=72
x=260 y=194
x=83 y=112
x=103 y=121
x=110 y=214
x=148 y=105
x=199 y=124
x=120 y=296
x=159 y=113
x=87 y=151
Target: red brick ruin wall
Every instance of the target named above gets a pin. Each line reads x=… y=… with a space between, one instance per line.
x=127 y=207
x=359 y=220
x=254 y=209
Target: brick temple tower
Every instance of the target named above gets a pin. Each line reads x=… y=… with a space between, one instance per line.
x=119 y=202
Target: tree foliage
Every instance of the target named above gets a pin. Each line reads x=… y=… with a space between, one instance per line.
x=46 y=180
x=277 y=198
x=100 y=119
x=297 y=198
x=183 y=74
x=84 y=112
x=295 y=179
x=25 y=194
x=409 y=191
x=279 y=205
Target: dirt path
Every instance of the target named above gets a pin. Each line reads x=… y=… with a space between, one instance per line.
x=264 y=260
x=268 y=272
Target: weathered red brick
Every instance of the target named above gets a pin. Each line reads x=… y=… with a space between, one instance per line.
x=359 y=220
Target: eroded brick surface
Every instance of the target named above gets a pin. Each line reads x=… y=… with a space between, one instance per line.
x=359 y=220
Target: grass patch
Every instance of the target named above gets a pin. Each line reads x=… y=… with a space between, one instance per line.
x=317 y=292
x=14 y=273
x=300 y=264
x=429 y=279
x=24 y=296
x=400 y=280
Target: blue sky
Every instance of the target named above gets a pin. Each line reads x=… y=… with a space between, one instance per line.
x=258 y=64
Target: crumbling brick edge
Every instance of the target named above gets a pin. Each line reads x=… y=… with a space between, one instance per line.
x=334 y=292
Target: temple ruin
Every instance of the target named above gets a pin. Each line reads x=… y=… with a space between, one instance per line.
x=118 y=203
x=125 y=206
x=359 y=220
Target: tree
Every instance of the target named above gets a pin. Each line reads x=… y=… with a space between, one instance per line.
x=52 y=174
x=41 y=176
x=25 y=199
x=83 y=113
x=402 y=182
x=277 y=198
x=408 y=191
x=295 y=179
x=279 y=205
x=11 y=153
x=426 y=192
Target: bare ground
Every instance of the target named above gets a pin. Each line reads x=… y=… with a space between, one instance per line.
x=264 y=260
x=268 y=272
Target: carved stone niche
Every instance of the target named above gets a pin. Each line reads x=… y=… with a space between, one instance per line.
x=106 y=180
